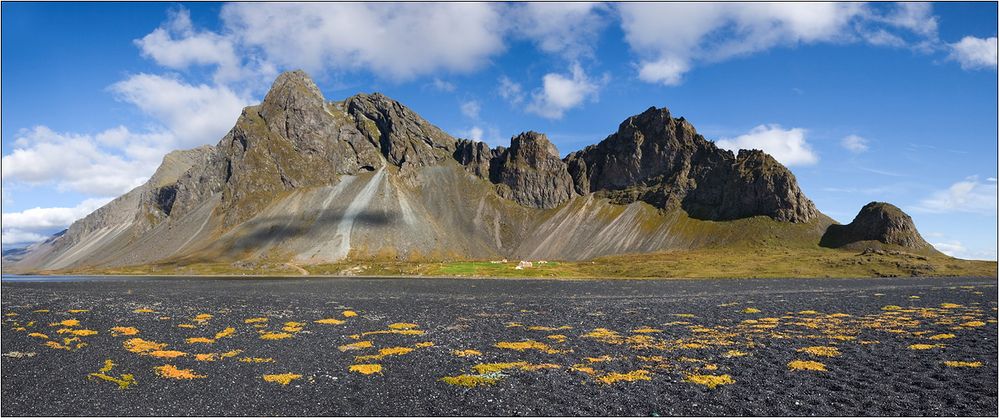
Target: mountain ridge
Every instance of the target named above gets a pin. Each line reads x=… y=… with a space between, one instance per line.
x=304 y=179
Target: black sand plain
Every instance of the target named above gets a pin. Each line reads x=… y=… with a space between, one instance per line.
x=887 y=347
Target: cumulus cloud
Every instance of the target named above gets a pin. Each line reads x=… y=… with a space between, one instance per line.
x=196 y=114
x=471 y=109
x=566 y=29
x=854 y=143
x=33 y=225
x=442 y=85
x=970 y=195
x=178 y=45
x=955 y=248
x=560 y=93
x=108 y=163
x=510 y=90
x=975 y=53
x=396 y=41
x=673 y=38
x=788 y=146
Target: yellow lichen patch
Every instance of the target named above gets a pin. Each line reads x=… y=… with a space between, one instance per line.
x=734 y=353
x=403 y=325
x=467 y=353
x=199 y=340
x=38 y=335
x=292 y=326
x=389 y=331
x=913 y=297
x=170 y=372
x=206 y=357
x=963 y=363
x=950 y=305
x=488 y=368
x=601 y=359
x=514 y=325
x=56 y=346
x=123 y=382
x=138 y=345
x=688 y=315
x=632 y=376
x=559 y=338
x=366 y=368
x=692 y=345
x=256 y=360
x=839 y=315
x=605 y=335
x=544 y=328
x=820 y=351
x=66 y=323
x=186 y=326
x=77 y=332
x=274 y=336
x=891 y=308
x=355 y=346
x=843 y=337
x=167 y=353
x=808 y=312
x=750 y=310
x=924 y=346
x=710 y=380
x=646 y=330
x=527 y=345
x=329 y=321
x=144 y=310
x=78 y=310
x=469 y=380
x=385 y=352
x=225 y=333
x=710 y=367
x=40 y=311
x=284 y=379
x=202 y=318
x=424 y=344
x=255 y=320
x=973 y=324
x=806 y=365
x=942 y=337
x=119 y=331
x=349 y=314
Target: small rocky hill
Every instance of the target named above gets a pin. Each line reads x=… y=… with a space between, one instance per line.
x=877 y=224
x=305 y=180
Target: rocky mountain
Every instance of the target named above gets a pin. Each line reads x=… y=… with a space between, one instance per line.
x=305 y=180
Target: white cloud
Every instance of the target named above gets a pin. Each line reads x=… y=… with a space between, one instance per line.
x=196 y=114
x=109 y=163
x=475 y=133
x=788 y=146
x=975 y=53
x=177 y=45
x=969 y=195
x=396 y=41
x=915 y=17
x=955 y=248
x=560 y=93
x=33 y=225
x=443 y=85
x=510 y=91
x=471 y=109
x=566 y=29
x=855 y=144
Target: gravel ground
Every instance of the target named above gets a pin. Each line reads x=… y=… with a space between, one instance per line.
x=540 y=347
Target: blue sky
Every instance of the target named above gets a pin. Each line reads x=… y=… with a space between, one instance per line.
x=891 y=102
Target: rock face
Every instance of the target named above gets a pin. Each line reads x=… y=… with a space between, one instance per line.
x=531 y=173
x=305 y=179
x=661 y=160
x=876 y=222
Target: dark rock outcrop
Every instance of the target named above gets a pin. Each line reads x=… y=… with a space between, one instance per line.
x=531 y=173
x=404 y=138
x=663 y=161
x=876 y=222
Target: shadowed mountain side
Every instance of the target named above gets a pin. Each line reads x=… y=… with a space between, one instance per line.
x=878 y=225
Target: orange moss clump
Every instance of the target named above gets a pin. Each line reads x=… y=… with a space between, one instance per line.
x=349 y=314
x=366 y=368
x=385 y=352
x=632 y=376
x=355 y=346
x=167 y=353
x=806 y=365
x=66 y=323
x=199 y=340
x=170 y=372
x=255 y=320
x=963 y=363
x=710 y=380
x=330 y=321
x=527 y=345
x=470 y=380
x=119 y=331
x=274 y=336
x=140 y=346
x=225 y=333
x=403 y=325
x=467 y=353
x=284 y=379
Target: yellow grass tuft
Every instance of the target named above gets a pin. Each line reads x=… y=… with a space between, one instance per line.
x=963 y=363
x=349 y=314
x=355 y=346
x=140 y=346
x=225 y=333
x=924 y=346
x=710 y=380
x=330 y=321
x=403 y=325
x=385 y=352
x=199 y=340
x=750 y=310
x=632 y=376
x=119 y=331
x=254 y=320
x=170 y=372
x=469 y=380
x=806 y=365
x=66 y=323
x=274 y=336
x=366 y=368
x=467 y=353
x=820 y=351
x=284 y=379
x=942 y=337
x=527 y=345
x=167 y=353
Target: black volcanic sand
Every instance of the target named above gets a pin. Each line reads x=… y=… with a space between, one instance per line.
x=703 y=325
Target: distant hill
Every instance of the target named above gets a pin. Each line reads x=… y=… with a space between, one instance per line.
x=303 y=180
